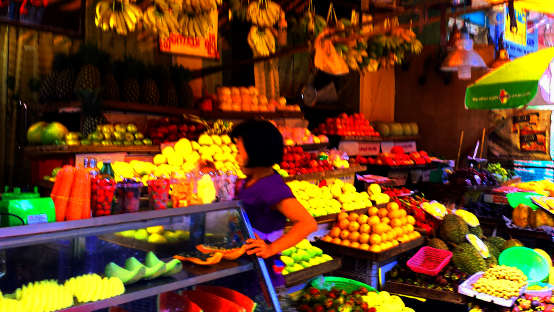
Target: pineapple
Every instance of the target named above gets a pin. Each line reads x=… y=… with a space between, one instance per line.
x=131 y=90
x=47 y=90
x=91 y=112
x=90 y=121
x=64 y=84
x=110 y=90
x=128 y=70
x=181 y=76
x=150 y=92
x=168 y=94
x=89 y=75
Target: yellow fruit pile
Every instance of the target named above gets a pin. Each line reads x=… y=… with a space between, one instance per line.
x=156 y=235
x=330 y=199
x=43 y=296
x=501 y=281
x=92 y=287
x=375 y=194
x=385 y=302
x=544 y=187
x=378 y=230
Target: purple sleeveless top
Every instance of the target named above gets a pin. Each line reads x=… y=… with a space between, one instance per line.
x=259 y=202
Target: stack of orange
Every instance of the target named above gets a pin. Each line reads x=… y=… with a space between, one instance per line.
x=378 y=230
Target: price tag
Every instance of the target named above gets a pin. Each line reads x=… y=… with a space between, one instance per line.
x=409 y=147
x=34 y=219
x=386 y=147
x=360 y=148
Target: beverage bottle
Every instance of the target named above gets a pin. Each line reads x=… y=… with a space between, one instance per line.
x=107 y=169
x=92 y=167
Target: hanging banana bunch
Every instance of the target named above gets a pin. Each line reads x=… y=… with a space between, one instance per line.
x=119 y=16
x=159 y=19
x=197 y=6
x=262 y=41
x=196 y=25
x=264 y=13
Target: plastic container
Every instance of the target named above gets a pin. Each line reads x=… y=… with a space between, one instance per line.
x=329 y=282
x=546 y=290
x=516 y=198
x=158 y=193
x=530 y=262
x=429 y=260
x=466 y=288
x=128 y=196
x=102 y=193
x=181 y=192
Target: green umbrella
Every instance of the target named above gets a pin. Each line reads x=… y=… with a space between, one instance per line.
x=512 y=85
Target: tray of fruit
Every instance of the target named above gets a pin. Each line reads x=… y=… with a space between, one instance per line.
x=529 y=302
x=546 y=203
x=500 y=284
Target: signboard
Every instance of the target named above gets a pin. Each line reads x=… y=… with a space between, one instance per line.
x=360 y=148
x=409 y=146
x=517 y=35
x=194 y=46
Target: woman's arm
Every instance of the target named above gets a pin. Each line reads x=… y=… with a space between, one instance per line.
x=303 y=225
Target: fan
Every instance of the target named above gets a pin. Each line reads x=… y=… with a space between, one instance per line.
x=310 y=95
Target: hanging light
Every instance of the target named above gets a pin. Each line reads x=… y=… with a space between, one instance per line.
x=463 y=58
x=502 y=59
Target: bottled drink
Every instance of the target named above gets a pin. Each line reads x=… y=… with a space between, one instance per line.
x=107 y=169
x=92 y=167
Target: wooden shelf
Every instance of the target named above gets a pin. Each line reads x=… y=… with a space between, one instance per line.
x=420 y=292
x=44 y=150
x=313 y=147
x=170 y=110
x=298 y=277
x=359 y=138
x=333 y=217
x=400 y=138
x=337 y=173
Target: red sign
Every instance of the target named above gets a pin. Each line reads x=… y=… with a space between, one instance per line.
x=194 y=46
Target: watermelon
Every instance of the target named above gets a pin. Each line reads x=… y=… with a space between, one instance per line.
x=231 y=295
x=212 y=303
x=396 y=129
x=173 y=302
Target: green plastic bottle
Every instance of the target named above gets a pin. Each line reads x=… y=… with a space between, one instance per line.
x=107 y=169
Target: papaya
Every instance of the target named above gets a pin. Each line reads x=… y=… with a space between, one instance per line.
x=212 y=303
x=228 y=254
x=151 y=272
x=173 y=302
x=231 y=295
x=520 y=215
x=199 y=258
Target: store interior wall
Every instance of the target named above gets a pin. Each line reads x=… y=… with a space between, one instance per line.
x=435 y=101
x=377 y=95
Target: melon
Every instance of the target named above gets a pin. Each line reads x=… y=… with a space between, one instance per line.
x=34 y=133
x=407 y=129
x=212 y=303
x=396 y=129
x=415 y=128
x=53 y=133
x=383 y=129
x=231 y=295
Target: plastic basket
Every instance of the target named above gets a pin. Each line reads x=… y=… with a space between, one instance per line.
x=530 y=262
x=429 y=260
x=328 y=282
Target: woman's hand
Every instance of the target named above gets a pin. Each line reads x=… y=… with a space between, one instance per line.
x=258 y=247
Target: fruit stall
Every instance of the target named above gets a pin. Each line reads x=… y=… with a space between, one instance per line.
x=125 y=183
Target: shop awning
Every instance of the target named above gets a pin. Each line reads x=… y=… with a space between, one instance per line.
x=542 y=6
x=514 y=84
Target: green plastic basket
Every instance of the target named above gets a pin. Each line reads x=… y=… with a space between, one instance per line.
x=514 y=199
x=530 y=262
x=328 y=282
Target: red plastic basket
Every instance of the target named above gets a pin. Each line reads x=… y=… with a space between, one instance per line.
x=429 y=260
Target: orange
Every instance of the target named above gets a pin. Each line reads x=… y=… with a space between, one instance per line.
x=375 y=239
x=392 y=206
x=380 y=228
x=395 y=243
x=364 y=238
x=404 y=220
x=374 y=220
x=409 y=227
x=364 y=246
x=392 y=234
x=395 y=214
x=353 y=216
x=344 y=234
x=403 y=212
x=354 y=236
x=355 y=245
x=398 y=231
x=411 y=220
x=342 y=216
x=346 y=243
x=385 y=220
x=372 y=211
x=404 y=238
x=388 y=227
x=336 y=241
x=343 y=224
x=387 y=245
x=383 y=212
x=335 y=231
x=362 y=219
x=414 y=235
x=353 y=226
x=396 y=223
x=375 y=248
x=327 y=238
x=365 y=228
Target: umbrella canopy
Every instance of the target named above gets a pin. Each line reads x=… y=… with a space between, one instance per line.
x=542 y=6
x=513 y=84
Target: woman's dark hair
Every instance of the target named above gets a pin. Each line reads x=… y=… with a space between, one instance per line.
x=262 y=141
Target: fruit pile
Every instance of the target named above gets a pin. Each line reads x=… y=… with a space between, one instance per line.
x=118 y=134
x=297 y=136
x=155 y=235
x=361 y=300
x=345 y=125
x=425 y=222
x=501 y=281
x=448 y=279
x=243 y=99
x=396 y=157
x=42 y=133
x=49 y=295
x=135 y=270
x=166 y=129
x=330 y=197
x=302 y=256
x=529 y=302
x=378 y=230
x=297 y=161
x=544 y=187
x=376 y=194
x=397 y=129
x=395 y=192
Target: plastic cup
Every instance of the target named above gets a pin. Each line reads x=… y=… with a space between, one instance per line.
x=158 y=193
x=102 y=193
x=128 y=195
x=181 y=192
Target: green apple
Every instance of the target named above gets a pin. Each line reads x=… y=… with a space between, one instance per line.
x=318 y=251
x=131 y=128
x=289 y=251
x=117 y=142
x=120 y=136
x=129 y=137
x=141 y=234
x=315 y=261
x=297 y=257
x=106 y=142
x=85 y=142
x=304 y=244
x=287 y=260
x=137 y=142
x=129 y=233
x=326 y=257
x=120 y=128
x=147 y=141
x=139 y=136
x=303 y=255
x=127 y=143
x=97 y=136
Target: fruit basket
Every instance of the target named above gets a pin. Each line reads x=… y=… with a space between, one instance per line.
x=466 y=288
x=329 y=282
x=429 y=260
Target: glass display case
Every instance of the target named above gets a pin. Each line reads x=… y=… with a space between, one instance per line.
x=62 y=250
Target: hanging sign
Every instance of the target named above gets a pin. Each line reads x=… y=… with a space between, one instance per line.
x=194 y=46
x=517 y=35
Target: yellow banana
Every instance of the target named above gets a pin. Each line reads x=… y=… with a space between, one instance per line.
x=113 y=19
x=101 y=7
x=183 y=23
x=121 y=26
x=162 y=4
x=128 y=21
